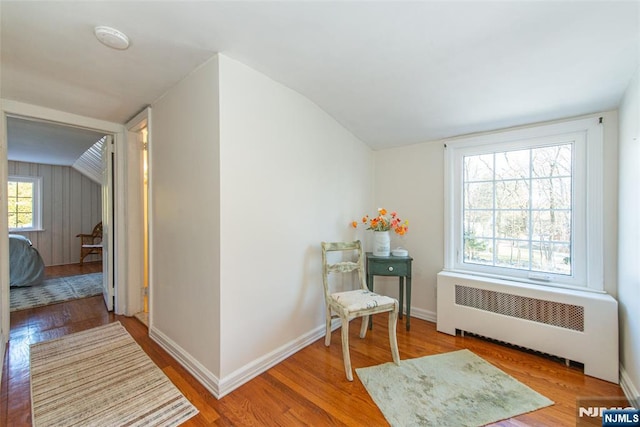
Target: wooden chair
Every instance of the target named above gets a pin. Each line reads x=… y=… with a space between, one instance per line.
x=91 y=244
x=361 y=302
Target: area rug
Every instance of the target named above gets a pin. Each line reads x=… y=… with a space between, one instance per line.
x=52 y=291
x=101 y=377
x=451 y=389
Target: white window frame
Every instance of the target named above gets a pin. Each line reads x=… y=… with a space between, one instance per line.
x=37 y=201
x=587 y=206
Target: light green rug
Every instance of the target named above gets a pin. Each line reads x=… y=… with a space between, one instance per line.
x=451 y=389
x=52 y=291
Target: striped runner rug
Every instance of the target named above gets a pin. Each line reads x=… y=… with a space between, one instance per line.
x=101 y=377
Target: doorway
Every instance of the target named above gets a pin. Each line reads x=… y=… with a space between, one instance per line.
x=56 y=198
x=38 y=114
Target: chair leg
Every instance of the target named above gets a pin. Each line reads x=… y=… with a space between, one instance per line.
x=363 y=327
x=345 y=348
x=393 y=341
x=327 y=334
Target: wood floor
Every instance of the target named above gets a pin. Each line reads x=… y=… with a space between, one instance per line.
x=72 y=269
x=309 y=388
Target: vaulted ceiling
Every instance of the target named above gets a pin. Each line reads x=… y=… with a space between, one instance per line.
x=392 y=72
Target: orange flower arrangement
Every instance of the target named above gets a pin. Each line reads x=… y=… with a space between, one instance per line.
x=382 y=222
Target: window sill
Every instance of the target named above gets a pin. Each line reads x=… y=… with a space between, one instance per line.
x=522 y=282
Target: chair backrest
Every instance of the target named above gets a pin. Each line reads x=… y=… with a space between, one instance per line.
x=97 y=230
x=343 y=266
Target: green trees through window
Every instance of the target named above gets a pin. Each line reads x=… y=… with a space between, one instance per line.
x=23 y=199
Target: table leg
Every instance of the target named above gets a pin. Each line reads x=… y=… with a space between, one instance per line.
x=408 y=302
x=401 y=292
x=370 y=286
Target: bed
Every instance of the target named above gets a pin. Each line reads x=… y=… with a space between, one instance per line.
x=26 y=267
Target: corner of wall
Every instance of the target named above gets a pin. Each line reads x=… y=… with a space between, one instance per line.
x=629 y=388
x=195 y=368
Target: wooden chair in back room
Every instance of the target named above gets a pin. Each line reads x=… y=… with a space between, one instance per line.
x=91 y=244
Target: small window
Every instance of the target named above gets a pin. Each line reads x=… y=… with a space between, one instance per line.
x=24 y=200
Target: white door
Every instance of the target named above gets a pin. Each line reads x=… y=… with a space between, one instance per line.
x=108 y=160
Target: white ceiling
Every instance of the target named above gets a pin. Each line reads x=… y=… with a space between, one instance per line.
x=392 y=72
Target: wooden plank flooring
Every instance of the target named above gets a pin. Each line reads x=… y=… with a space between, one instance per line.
x=309 y=388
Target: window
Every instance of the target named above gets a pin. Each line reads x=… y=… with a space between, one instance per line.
x=24 y=200
x=526 y=204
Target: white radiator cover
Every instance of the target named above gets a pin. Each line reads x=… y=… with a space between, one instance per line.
x=575 y=325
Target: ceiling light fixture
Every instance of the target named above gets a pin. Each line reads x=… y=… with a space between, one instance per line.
x=111 y=37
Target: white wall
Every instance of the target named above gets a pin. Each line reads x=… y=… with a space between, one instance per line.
x=185 y=211
x=409 y=180
x=247 y=177
x=629 y=240
x=291 y=177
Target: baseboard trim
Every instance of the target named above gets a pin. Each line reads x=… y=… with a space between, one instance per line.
x=262 y=364
x=195 y=368
x=429 y=316
x=630 y=390
x=220 y=387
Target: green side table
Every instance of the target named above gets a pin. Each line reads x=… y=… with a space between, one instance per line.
x=398 y=266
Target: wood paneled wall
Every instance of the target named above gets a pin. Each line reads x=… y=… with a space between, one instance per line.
x=72 y=204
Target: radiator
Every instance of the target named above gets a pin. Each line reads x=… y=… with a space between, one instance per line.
x=574 y=325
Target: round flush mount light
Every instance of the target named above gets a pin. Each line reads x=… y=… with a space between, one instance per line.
x=111 y=37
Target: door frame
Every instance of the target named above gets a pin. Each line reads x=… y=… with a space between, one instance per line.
x=135 y=214
x=108 y=220
x=16 y=108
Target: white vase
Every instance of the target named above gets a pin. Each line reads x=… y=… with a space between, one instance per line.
x=381 y=243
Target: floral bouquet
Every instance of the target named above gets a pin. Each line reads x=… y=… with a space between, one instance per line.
x=384 y=222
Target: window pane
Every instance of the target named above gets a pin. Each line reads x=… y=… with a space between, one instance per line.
x=552 y=257
x=478 y=224
x=551 y=193
x=512 y=224
x=551 y=161
x=25 y=189
x=13 y=220
x=512 y=164
x=24 y=220
x=479 y=195
x=24 y=205
x=478 y=251
x=12 y=189
x=512 y=194
x=552 y=226
x=478 y=168
x=512 y=254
